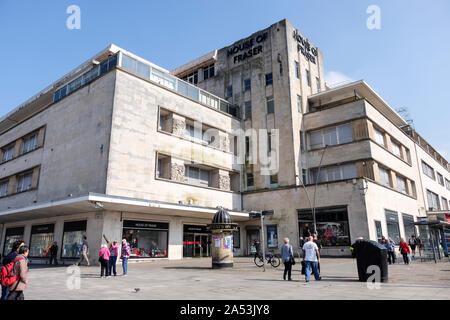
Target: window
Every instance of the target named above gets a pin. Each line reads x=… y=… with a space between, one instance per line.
x=270 y=105
x=196 y=176
x=250 y=179
x=332 y=225
x=248 y=110
x=247 y=85
x=299 y=104
x=384 y=177
x=428 y=171
x=8 y=153
x=4 y=188
x=433 y=201
x=297 y=69
x=192 y=77
x=379 y=136
x=24 y=182
x=447 y=184
x=392 y=225
x=274 y=180
x=302 y=141
x=331 y=136
x=401 y=184
x=41 y=240
x=147 y=239
x=444 y=204
x=335 y=173
x=247 y=146
x=208 y=72
x=408 y=225
x=73 y=238
x=304 y=177
x=229 y=92
x=396 y=149
x=308 y=78
x=269 y=79
x=318 y=84
x=12 y=235
x=272 y=236
x=440 y=179
x=30 y=143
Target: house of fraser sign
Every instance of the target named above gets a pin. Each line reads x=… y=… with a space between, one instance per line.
x=250 y=47
x=305 y=47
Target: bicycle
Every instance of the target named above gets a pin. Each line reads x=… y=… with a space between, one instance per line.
x=274 y=261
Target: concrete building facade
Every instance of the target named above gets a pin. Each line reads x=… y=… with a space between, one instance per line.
x=122 y=147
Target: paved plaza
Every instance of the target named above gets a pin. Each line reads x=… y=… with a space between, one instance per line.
x=193 y=279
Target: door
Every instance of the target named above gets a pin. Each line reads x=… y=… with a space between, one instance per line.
x=252 y=241
x=202 y=245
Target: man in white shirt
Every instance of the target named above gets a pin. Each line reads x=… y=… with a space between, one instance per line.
x=311 y=257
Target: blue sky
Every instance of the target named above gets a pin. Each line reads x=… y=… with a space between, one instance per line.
x=407 y=61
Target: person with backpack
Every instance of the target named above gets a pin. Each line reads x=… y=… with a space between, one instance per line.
x=126 y=252
x=404 y=250
x=17 y=275
x=104 y=261
x=412 y=244
x=10 y=257
x=287 y=255
x=84 y=252
x=390 y=251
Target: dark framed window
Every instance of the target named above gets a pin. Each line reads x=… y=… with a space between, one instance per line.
x=12 y=235
x=308 y=77
x=272 y=236
x=269 y=79
x=408 y=225
x=297 y=69
x=331 y=223
x=248 y=110
x=270 y=105
x=229 y=91
x=208 y=72
x=147 y=239
x=41 y=240
x=250 y=180
x=73 y=234
x=247 y=85
x=392 y=225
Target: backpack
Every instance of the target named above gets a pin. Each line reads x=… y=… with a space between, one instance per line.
x=6 y=276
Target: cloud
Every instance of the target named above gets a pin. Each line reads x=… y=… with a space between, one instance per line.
x=335 y=78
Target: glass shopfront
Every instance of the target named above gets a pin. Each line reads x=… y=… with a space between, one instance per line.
x=392 y=226
x=147 y=239
x=12 y=235
x=331 y=223
x=196 y=241
x=41 y=240
x=73 y=239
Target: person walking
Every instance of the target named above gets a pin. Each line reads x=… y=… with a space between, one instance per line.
x=412 y=244
x=104 y=261
x=287 y=255
x=319 y=245
x=10 y=257
x=404 y=250
x=20 y=269
x=84 y=252
x=114 y=253
x=311 y=256
x=125 y=255
x=390 y=251
x=53 y=253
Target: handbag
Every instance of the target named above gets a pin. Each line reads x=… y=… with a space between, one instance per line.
x=292 y=260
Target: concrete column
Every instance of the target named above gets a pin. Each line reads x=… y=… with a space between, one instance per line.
x=224 y=141
x=18 y=147
x=177 y=170
x=35 y=178
x=376 y=172
x=403 y=153
x=12 y=185
x=224 y=180
x=387 y=141
x=393 y=179
x=409 y=190
x=41 y=137
x=370 y=130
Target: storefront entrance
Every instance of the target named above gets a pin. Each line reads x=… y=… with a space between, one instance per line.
x=253 y=239
x=196 y=242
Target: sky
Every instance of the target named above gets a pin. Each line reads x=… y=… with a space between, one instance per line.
x=406 y=60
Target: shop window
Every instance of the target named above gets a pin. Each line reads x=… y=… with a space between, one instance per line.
x=73 y=238
x=272 y=236
x=408 y=225
x=12 y=235
x=331 y=223
x=392 y=226
x=41 y=240
x=147 y=239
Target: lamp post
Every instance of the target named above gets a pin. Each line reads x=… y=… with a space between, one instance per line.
x=262 y=215
x=315 y=188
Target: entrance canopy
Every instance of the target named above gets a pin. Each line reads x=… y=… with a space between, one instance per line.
x=94 y=202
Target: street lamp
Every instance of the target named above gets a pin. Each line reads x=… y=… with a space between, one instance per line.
x=262 y=215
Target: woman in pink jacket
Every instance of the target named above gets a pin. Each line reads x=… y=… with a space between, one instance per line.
x=104 y=260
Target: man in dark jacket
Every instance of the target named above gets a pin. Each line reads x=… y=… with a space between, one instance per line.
x=53 y=253
x=10 y=258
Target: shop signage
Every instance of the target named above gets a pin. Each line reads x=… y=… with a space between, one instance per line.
x=129 y=224
x=15 y=231
x=75 y=226
x=223 y=226
x=251 y=47
x=195 y=229
x=45 y=228
x=305 y=47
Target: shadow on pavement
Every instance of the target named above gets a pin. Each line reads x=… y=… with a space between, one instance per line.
x=189 y=268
